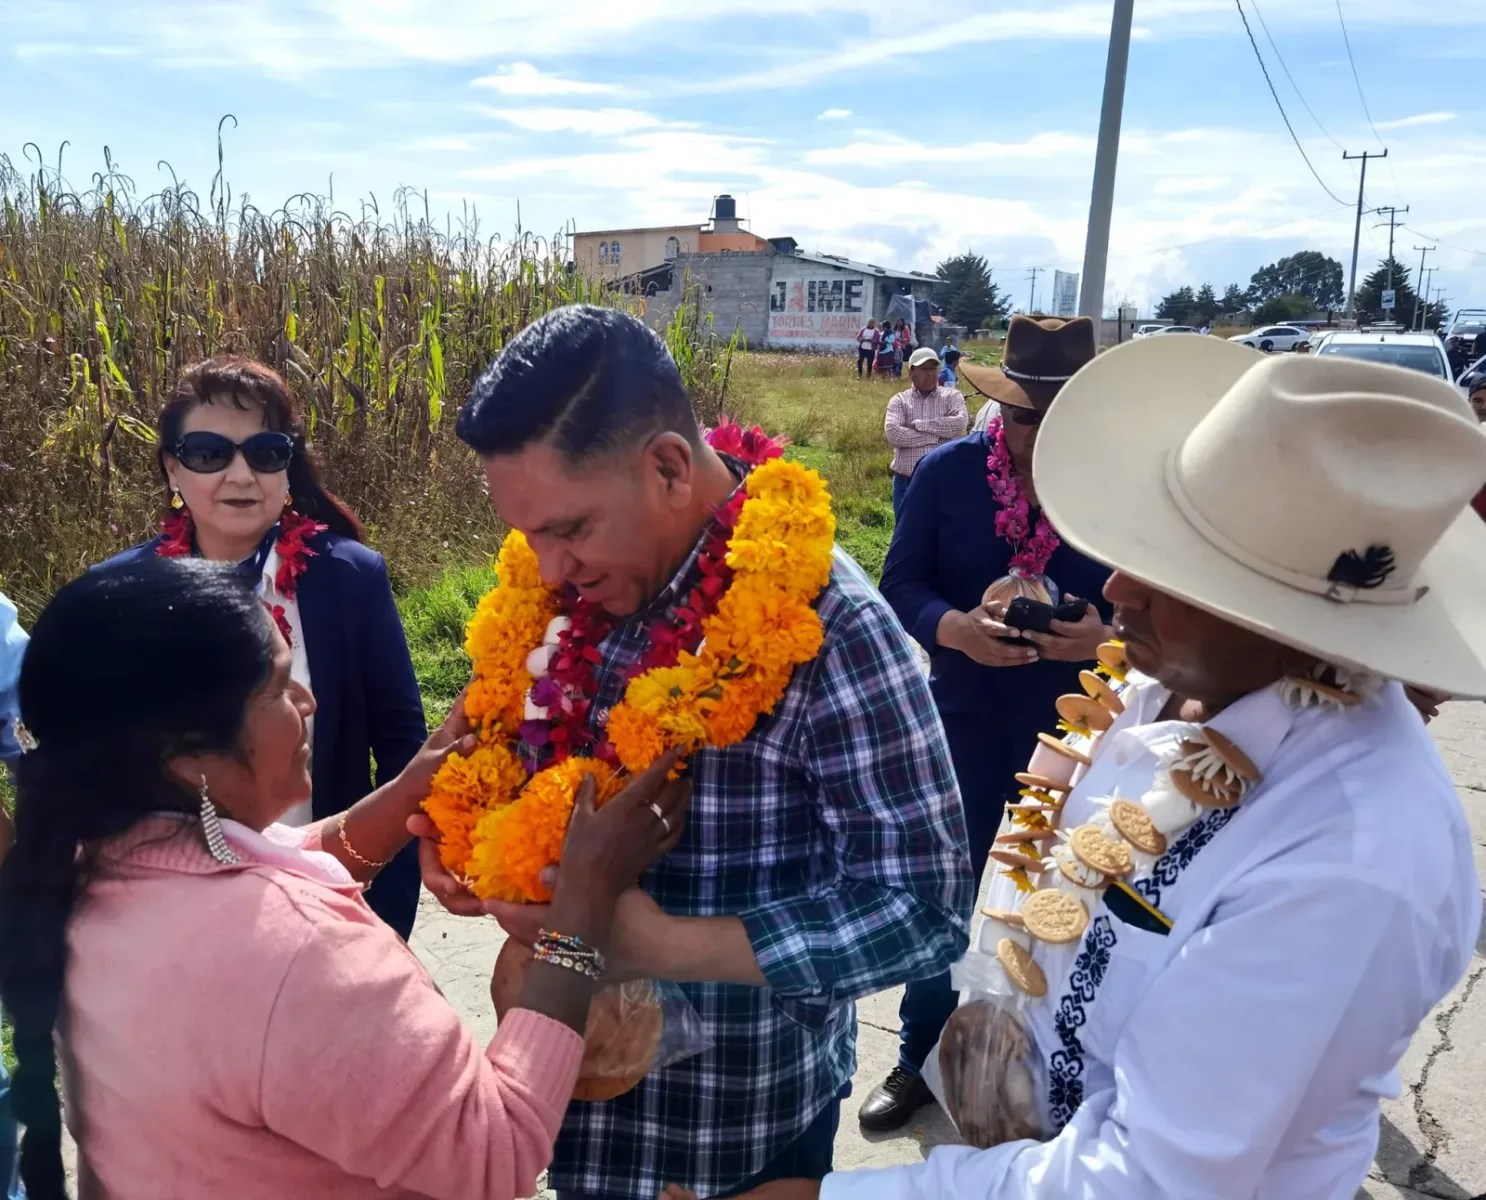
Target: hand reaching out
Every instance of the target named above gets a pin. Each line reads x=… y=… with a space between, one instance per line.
x=615 y=844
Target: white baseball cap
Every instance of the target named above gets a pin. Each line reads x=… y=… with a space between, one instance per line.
x=921 y=356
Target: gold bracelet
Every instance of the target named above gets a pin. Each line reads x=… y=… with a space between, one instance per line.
x=340 y=828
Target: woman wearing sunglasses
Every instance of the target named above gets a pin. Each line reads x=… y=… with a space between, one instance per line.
x=969 y=518
x=243 y=488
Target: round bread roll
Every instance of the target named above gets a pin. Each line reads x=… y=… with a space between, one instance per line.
x=619 y=1045
x=623 y=1032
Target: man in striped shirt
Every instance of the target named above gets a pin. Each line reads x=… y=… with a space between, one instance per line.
x=920 y=419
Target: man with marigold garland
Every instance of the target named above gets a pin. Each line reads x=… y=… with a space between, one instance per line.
x=824 y=858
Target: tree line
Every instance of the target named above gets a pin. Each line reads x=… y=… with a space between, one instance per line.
x=966 y=294
x=1290 y=289
x=1295 y=287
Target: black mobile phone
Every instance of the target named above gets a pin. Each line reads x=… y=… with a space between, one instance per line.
x=1037 y=617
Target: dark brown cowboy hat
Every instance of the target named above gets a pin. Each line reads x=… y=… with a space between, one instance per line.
x=1040 y=356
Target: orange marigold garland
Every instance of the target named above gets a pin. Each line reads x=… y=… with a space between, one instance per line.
x=725 y=663
x=514 y=842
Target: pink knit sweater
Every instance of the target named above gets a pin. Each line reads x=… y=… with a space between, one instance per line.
x=253 y=1032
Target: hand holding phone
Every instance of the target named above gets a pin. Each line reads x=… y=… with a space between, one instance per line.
x=1073 y=634
x=1025 y=614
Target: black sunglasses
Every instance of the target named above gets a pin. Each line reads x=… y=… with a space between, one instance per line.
x=1023 y=416
x=207 y=453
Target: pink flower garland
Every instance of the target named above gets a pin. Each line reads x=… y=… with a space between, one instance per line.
x=1031 y=549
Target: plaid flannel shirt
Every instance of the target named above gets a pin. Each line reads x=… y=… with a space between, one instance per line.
x=920 y=422
x=835 y=832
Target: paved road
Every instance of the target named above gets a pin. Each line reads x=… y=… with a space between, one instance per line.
x=1433 y=1140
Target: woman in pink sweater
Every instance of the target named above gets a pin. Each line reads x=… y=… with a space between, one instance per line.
x=234 y=1021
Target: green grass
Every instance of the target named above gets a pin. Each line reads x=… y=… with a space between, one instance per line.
x=434 y=618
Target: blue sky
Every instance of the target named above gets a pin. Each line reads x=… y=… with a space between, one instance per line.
x=859 y=130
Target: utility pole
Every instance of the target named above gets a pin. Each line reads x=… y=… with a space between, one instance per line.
x=1419 y=314
x=1101 y=202
x=1392 y=223
x=1357 y=229
x=1032 y=275
x=1424 y=304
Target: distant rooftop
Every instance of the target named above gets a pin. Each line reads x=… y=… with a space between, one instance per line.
x=838 y=260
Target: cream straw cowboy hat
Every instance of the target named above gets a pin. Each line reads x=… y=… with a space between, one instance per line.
x=1323 y=502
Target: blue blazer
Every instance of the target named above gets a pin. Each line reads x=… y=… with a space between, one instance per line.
x=367 y=695
x=944 y=554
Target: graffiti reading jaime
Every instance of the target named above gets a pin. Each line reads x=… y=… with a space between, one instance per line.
x=816 y=296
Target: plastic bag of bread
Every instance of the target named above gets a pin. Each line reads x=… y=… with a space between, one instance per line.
x=633 y=1028
x=984 y=1061
x=982 y=1070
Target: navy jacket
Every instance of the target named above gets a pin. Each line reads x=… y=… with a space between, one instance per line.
x=367 y=696
x=945 y=553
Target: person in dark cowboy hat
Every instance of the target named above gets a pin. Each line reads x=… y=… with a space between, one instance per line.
x=970 y=518
x=1041 y=354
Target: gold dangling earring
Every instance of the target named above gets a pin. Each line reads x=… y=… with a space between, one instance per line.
x=289 y=500
x=175 y=499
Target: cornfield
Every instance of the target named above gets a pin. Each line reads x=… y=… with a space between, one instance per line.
x=380 y=321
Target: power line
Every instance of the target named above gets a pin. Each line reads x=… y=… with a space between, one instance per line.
x=1355 y=77
x=1283 y=115
x=1263 y=24
x=1229 y=237
x=1442 y=242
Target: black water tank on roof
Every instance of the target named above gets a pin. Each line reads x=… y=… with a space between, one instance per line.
x=725 y=208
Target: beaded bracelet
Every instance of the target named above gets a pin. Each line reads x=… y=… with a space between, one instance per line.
x=568 y=952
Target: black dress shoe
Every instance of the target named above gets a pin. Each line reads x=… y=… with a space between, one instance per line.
x=894 y=1101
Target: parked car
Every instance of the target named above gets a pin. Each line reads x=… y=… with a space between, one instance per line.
x=1142 y=331
x=1272 y=337
x=1418 y=351
x=1177 y=329
x=1462 y=337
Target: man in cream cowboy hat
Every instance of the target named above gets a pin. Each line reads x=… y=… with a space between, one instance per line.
x=1262 y=875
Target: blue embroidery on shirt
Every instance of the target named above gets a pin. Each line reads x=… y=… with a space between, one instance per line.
x=1065 y=1085
x=1179 y=856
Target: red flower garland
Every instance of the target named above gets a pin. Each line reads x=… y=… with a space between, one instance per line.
x=682 y=630
x=567 y=730
x=178 y=533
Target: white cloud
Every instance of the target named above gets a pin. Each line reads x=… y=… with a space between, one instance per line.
x=599 y=122
x=1076 y=21
x=1193 y=205
x=895 y=153
x=446 y=143
x=834 y=114
x=1430 y=118
x=1185 y=185
x=523 y=79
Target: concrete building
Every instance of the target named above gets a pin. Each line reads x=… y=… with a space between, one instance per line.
x=775 y=294
x=616 y=253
